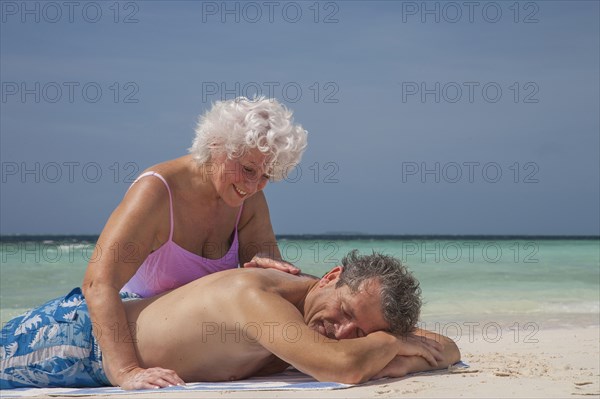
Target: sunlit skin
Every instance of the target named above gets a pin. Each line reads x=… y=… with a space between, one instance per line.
x=239 y=323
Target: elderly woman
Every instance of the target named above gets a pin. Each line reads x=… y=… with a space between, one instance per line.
x=189 y=217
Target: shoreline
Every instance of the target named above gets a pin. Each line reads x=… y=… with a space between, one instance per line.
x=508 y=322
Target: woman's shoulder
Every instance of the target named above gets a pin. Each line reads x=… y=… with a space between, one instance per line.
x=154 y=185
x=255 y=207
x=170 y=169
x=163 y=175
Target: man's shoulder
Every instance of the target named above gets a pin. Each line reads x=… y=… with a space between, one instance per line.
x=254 y=284
x=267 y=278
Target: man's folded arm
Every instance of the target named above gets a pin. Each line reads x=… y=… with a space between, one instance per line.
x=285 y=334
x=402 y=365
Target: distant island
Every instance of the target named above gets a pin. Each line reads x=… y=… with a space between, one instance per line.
x=344 y=233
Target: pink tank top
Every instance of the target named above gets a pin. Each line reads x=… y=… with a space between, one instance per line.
x=171 y=266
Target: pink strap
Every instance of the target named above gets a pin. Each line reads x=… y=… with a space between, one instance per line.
x=151 y=173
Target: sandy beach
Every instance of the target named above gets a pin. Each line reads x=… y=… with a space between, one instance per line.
x=547 y=363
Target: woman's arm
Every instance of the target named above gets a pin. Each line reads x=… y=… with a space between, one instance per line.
x=258 y=246
x=131 y=233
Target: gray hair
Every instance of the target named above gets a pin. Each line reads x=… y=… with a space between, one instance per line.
x=236 y=126
x=400 y=292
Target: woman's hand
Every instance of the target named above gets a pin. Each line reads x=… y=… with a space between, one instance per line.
x=269 y=263
x=153 y=378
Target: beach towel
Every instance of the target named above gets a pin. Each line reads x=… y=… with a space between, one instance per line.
x=289 y=380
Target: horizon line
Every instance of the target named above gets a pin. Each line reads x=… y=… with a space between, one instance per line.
x=329 y=236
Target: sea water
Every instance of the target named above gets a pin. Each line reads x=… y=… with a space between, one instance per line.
x=468 y=281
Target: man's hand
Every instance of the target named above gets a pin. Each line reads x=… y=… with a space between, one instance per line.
x=417 y=353
x=269 y=263
x=415 y=345
x=398 y=367
x=153 y=378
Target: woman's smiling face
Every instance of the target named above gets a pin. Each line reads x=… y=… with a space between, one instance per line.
x=237 y=179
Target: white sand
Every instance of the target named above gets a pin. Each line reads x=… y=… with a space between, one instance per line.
x=562 y=363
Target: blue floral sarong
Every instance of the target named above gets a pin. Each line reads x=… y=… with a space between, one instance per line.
x=52 y=346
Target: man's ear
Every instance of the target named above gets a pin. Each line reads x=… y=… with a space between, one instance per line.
x=331 y=277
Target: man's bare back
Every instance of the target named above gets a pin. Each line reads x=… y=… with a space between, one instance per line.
x=239 y=323
x=219 y=329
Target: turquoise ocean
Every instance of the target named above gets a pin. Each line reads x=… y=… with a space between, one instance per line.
x=513 y=282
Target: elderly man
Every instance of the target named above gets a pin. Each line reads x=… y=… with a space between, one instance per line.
x=355 y=323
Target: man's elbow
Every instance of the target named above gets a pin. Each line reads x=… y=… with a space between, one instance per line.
x=347 y=376
x=353 y=374
x=357 y=378
x=451 y=351
x=347 y=370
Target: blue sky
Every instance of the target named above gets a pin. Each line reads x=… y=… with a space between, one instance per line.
x=423 y=117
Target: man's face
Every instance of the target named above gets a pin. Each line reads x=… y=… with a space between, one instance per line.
x=338 y=313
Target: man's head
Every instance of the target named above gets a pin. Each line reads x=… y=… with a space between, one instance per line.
x=367 y=294
x=399 y=290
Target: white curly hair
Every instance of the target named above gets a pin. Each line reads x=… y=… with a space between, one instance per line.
x=238 y=125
